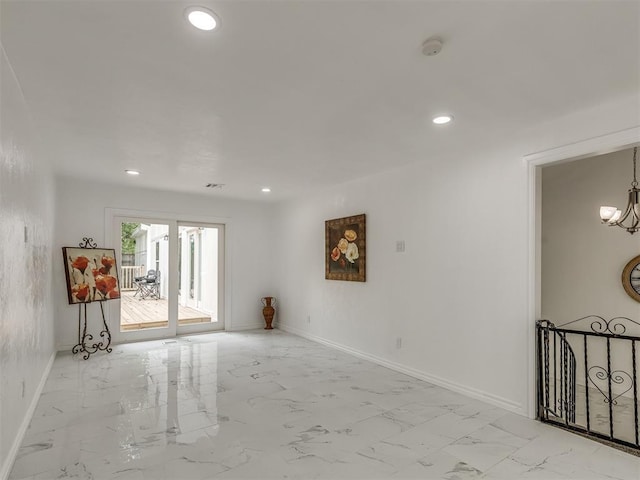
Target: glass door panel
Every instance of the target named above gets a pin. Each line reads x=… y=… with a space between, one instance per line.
x=200 y=273
x=145 y=278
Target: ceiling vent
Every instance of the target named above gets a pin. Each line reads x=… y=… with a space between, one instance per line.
x=214 y=185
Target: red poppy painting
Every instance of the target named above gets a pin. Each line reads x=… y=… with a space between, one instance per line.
x=345 y=249
x=92 y=274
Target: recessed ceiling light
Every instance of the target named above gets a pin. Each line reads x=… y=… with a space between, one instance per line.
x=132 y=172
x=266 y=189
x=442 y=119
x=202 y=18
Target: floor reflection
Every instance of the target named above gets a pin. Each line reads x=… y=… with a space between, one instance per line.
x=271 y=405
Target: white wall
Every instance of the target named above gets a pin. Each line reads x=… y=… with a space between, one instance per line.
x=582 y=260
x=81 y=212
x=26 y=309
x=444 y=296
x=459 y=296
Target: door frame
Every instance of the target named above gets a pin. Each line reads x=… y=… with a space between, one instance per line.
x=112 y=309
x=588 y=148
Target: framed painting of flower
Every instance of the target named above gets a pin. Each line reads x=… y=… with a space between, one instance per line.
x=345 y=248
x=91 y=273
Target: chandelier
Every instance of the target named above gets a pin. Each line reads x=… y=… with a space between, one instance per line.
x=612 y=216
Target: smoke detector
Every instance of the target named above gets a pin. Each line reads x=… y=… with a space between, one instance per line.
x=214 y=185
x=432 y=46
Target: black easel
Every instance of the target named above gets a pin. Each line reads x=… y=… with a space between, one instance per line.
x=84 y=344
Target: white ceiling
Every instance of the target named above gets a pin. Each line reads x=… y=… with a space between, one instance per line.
x=301 y=94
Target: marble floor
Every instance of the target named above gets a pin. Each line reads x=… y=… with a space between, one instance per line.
x=622 y=412
x=267 y=405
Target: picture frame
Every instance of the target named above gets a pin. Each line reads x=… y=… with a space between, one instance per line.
x=91 y=274
x=345 y=248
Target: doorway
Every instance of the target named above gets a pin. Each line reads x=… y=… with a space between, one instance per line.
x=171 y=276
x=535 y=162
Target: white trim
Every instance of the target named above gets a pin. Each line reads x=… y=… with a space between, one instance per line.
x=195 y=328
x=412 y=372
x=608 y=143
x=575 y=151
x=66 y=348
x=13 y=452
x=534 y=262
x=124 y=212
x=246 y=326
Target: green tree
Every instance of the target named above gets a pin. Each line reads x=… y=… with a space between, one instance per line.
x=128 y=242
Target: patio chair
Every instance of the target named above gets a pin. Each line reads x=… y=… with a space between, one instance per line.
x=139 y=281
x=148 y=286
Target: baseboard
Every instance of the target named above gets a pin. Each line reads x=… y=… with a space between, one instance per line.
x=11 y=458
x=412 y=372
x=233 y=328
x=245 y=326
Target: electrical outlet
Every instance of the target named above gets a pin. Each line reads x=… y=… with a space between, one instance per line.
x=399 y=342
x=400 y=246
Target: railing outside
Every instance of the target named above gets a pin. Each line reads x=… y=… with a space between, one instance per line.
x=588 y=377
x=128 y=274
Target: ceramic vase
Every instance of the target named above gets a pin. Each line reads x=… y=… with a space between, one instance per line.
x=268 y=311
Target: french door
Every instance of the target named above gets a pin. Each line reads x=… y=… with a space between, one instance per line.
x=171 y=278
x=201 y=277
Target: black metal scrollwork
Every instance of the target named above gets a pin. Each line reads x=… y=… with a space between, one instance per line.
x=618 y=377
x=105 y=334
x=87 y=242
x=608 y=364
x=84 y=344
x=85 y=339
x=545 y=324
x=614 y=326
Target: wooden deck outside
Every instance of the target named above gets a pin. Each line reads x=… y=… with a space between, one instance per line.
x=136 y=314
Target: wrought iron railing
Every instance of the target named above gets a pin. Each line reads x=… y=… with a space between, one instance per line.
x=588 y=377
